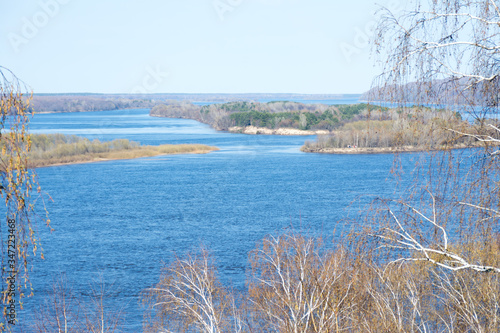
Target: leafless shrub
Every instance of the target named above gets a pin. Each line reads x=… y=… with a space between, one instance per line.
x=297 y=286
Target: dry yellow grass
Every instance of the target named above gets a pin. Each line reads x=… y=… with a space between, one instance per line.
x=143 y=151
x=412 y=129
x=57 y=149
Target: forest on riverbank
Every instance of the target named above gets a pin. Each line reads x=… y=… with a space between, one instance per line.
x=271 y=115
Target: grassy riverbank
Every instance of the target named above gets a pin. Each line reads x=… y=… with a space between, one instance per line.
x=56 y=149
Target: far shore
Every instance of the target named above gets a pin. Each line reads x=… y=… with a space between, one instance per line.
x=84 y=111
x=47 y=112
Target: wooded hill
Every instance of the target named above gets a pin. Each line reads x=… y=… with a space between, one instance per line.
x=449 y=91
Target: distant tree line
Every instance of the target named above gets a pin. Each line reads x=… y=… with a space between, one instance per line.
x=84 y=103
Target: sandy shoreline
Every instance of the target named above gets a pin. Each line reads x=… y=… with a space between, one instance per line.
x=378 y=150
x=254 y=130
x=348 y=151
x=278 y=131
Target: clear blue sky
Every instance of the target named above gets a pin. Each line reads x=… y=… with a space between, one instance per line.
x=205 y=46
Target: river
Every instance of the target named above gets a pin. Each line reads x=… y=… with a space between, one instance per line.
x=119 y=221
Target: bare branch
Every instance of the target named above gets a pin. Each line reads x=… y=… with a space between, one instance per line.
x=442 y=257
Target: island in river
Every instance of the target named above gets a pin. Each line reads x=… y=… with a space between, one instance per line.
x=58 y=149
x=272 y=118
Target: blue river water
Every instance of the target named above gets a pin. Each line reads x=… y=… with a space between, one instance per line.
x=121 y=220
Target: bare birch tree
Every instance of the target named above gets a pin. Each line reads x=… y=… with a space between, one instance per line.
x=298 y=286
x=60 y=312
x=446 y=53
x=441 y=52
x=64 y=311
x=189 y=297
